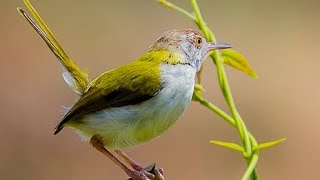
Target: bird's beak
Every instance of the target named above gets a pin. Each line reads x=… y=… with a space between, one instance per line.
x=214 y=46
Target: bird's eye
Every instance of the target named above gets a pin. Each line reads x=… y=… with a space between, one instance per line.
x=199 y=40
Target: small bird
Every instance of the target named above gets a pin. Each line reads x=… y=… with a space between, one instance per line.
x=137 y=102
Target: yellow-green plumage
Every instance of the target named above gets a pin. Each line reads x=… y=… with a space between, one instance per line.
x=111 y=100
x=134 y=80
x=128 y=84
x=139 y=101
x=161 y=56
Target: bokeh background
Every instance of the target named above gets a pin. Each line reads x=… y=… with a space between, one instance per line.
x=279 y=38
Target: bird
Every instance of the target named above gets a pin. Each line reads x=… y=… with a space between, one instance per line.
x=137 y=102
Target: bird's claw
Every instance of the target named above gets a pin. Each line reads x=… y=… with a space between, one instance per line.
x=148 y=173
x=159 y=174
x=140 y=175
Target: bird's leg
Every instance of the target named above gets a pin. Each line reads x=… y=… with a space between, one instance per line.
x=129 y=161
x=135 y=175
x=136 y=166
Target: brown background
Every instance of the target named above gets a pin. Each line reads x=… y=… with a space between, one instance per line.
x=279 y=38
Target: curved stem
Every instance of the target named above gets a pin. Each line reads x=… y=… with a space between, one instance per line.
x=224 y=85
x=198 y=97
x=229 y=99
x=201 y=23
x=251 y=172
x=246 y=137
x=177 y=8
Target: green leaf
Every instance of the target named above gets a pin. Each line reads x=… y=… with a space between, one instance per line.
x=268 y=144
x=228 y=145
x=238 y=61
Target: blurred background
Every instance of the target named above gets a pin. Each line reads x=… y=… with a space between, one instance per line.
x=279 y=38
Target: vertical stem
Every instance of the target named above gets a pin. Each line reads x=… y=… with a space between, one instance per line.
x=246 y=137
x=251 y=172
x=200 y=21
x=224 y=85
x=224 y=81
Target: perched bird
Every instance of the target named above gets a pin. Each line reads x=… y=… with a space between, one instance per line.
x=137 y=102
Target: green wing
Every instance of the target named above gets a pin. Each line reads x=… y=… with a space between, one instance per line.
x=128 y=85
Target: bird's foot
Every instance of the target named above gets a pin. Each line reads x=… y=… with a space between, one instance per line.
x=139 y=171
x=157 y=172
x=148 y=173
x=139 y=175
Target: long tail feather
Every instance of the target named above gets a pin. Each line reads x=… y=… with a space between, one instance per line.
x=77 y=79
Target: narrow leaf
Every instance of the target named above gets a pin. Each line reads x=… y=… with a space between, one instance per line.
x=237 y=61
x=268 y=144
x=228 y=145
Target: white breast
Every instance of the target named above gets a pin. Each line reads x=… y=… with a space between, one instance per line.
x=128 y=126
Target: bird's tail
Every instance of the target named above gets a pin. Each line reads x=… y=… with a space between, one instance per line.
x=77 y=79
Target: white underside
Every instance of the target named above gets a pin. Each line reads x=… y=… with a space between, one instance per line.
x=128 y=126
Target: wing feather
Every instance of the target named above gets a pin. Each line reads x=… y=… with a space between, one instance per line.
x=128 y=85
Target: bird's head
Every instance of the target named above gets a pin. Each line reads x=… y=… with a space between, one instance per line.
x=189 y=44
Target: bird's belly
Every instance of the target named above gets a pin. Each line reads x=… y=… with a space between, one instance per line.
x=127 y=126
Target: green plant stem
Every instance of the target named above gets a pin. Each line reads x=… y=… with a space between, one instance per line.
x=229 y=99
x=177 y=8
x=246 y=137
x=223 y=80
x=198 y=97
x=254 y=159
x=251 y=170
